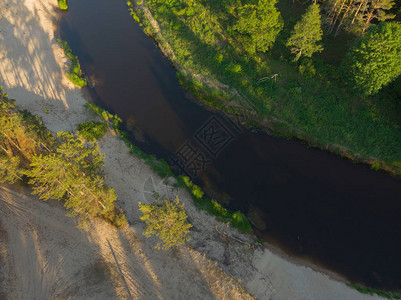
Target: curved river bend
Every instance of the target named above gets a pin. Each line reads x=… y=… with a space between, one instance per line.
x=309 y=203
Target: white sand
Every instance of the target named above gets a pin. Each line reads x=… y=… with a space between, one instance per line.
x=43 y=255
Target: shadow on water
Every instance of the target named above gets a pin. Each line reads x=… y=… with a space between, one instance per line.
x=310 y=203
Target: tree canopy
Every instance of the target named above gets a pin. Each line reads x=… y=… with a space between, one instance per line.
x=307 y=32
x=258 y=23
x=73 y=173
x=355 y=15
x=167 y=221
x=375 y=58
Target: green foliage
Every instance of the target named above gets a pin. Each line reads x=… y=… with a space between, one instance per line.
x=258 y=23
x=92 y=130
x=356 y=16
x=105 y=115
x=375 y=59
x=307 y=69
x=133 y=13
x=74 y=74
x=168 y=221
x=73 y=173
x=307 y=32
x=381 y=293
x=195 y=190
x=10 y=170
x=119 y=220
x=22 y=134
x=63 y=4
x=236 y=219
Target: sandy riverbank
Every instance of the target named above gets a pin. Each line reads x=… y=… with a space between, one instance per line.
x=43 y=255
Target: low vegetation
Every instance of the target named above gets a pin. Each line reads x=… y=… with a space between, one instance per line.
x=63 y=168
x=235 y=219
x=74 y=73
x=109 y=118
x=92 y=130
x=371 y=291
x=63 y=4
x=217 y=49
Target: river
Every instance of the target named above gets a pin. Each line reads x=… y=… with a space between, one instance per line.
x=311 y=204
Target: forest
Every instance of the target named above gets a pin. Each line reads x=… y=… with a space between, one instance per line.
x=326 y=72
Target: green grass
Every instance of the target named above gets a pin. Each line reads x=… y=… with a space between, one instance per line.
x=381 y=293
x=74 y=73
x=113 y=120
x=307 y=101
x=92 y=130
x=235 y=219
x=63 y=4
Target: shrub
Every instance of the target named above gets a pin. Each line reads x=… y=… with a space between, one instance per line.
x=74 y=74
x=105 y=115
x=63 y=4
x=92 y=130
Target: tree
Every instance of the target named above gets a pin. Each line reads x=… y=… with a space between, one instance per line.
x=9 y=169
x=377 y=10
x=375 y=59
x=307 y=32
x=64 y=170
x=73 y=173
x=167 y=221
x=21 y=136
x=258 y=23
x=356 y=15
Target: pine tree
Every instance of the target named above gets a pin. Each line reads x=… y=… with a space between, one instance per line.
x=258 y=23
x=73 y=173
x=377 y=10
x=355 y=15
x=167 y=221
x=307 y=32
x=375 y=58
x=9 y=169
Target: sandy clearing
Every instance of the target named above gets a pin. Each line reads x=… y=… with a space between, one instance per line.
x=43 y=255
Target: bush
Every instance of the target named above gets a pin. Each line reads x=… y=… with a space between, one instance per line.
x=105 y=115
x=119 y=220
x=92 y=130
x=63 y=4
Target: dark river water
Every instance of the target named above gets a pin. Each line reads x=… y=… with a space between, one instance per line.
x=309 y=203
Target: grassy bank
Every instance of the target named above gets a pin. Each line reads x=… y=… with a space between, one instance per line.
x=305 y=100
x=370 y=291
x=235 y=219
x=74 y=73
